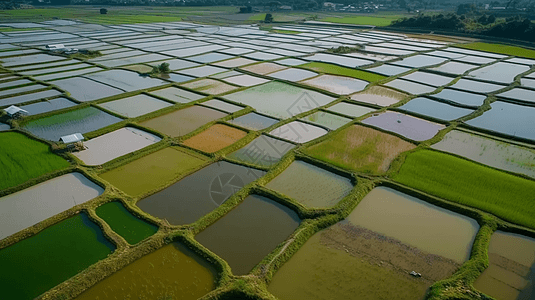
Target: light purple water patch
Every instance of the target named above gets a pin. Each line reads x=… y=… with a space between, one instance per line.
x=410 y=127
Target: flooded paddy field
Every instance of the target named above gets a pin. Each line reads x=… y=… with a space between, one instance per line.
x=379 y=95
x=172 y=271
x=298 y=132
x=44 y=200
x=511 y=267
x=177 y=95
x=123 y=222
x=361 y=149
x=490 y=152
x=215 y=138
x=135 y=106
x=63 y=250
x=310 y=185
x=326 y=119
x=367 y=257
x=115 y=144
x=184 y=121
x=81 y=120
x=199 y=193
x=410 y=127
x=48 y=106
x=507 y=118
x=272 y=73
x=249 y=232
x=434 y=109
x=279 y=99
x=254 y=121
x=350 y=109
x=263 y=151
x=337 y=84
x=154 y=170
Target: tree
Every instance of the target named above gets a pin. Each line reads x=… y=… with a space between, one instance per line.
x=103 y=11
x=268 y=18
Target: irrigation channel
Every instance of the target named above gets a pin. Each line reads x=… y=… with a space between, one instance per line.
x=264 y=165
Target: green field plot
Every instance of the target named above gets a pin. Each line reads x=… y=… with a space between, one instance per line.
x=338 y=70
x=500 y=48
x=361 y=149
x=455 y=179
x=22 y=158
x=384 y=20
x=125 y=223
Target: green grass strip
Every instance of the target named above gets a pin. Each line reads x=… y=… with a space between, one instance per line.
x=507 y=196
x=500 y=48
x=22 y=158
x=343 y=71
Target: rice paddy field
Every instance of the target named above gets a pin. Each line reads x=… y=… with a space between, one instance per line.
x=265 y=164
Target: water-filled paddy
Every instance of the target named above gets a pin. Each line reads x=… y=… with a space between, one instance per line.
x=236 y=62
x=28 y=97
x=360 y=148
x=125 y=80
x=172 y=271
x=476 y=86
x=263 y=151
x=511 y=267
x=254 y=121
x=346 y=256
x=419 y=61
x=435 y=109
x=349 y=109
x=337 y=84
x=293 y=74
x=83 y=89
x=210 y=86
x=446 y=233
x=81 y=120
x=222 y=105
x=459 y=97
x=279 y=99
x=389 y=70
x=177 y=95
x=310 y=185
x=209 y=57
x=4 y=127
x=453 y=67
x=215 y=138
x=507 y=118
x=500 y=72
x=62 y=250
x=326 y=119
x=184 y=121
x=249 y=232
x=47 y=106
x=199 y=193
x=428 y=78
x=519 y=94
x=246 y=80
x=413 y=128
x=39 y=202
x=489 y=152
x=154 y=170
x=298 y=132
x=115 y=144
x=379 y=95
x=264 y=68
x=135 y=106
x=203 y=71
x=124 y=223
x=410 y=87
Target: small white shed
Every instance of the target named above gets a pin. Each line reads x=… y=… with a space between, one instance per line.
x=14 y=111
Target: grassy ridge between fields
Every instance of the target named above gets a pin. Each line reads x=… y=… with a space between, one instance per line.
x=342 y=71
x=507 y=196
x=499 y=48
x=22 y=158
